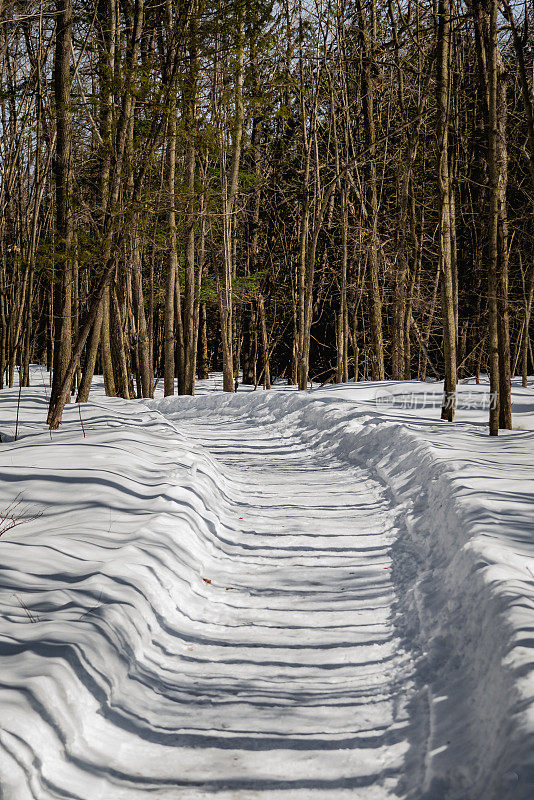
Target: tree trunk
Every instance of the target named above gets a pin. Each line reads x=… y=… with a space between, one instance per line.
x=529 y=295
x=377 y=338
x=229 y=223
x=446 y=236
x=62 y=86
x=493 y=169
x=503 y=306
x=203 y=362
x=190 y=308
x=170 y=279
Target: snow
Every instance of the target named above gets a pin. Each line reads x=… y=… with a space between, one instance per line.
x=275 y=594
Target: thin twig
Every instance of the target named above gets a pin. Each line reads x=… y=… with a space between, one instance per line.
x=81 y=420
x=23 y=605
x=10 y=520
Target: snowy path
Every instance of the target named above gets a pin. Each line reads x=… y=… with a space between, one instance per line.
x=212 y=608
x=309 y=692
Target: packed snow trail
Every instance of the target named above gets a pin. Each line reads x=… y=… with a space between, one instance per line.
x=316 y=704
x=206 y=608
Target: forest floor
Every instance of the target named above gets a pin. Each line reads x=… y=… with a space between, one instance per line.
x=267 y=595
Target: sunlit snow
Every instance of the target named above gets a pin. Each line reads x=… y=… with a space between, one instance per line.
x=326 y=594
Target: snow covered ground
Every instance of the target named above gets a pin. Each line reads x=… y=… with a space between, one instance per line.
x=269 y=594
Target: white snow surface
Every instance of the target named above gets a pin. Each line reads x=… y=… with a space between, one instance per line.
x=326 y=594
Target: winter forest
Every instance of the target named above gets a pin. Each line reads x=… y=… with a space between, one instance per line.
x=314 y=190
x=266 y=400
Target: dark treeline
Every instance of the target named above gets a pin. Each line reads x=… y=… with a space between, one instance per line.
x=317 y=190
